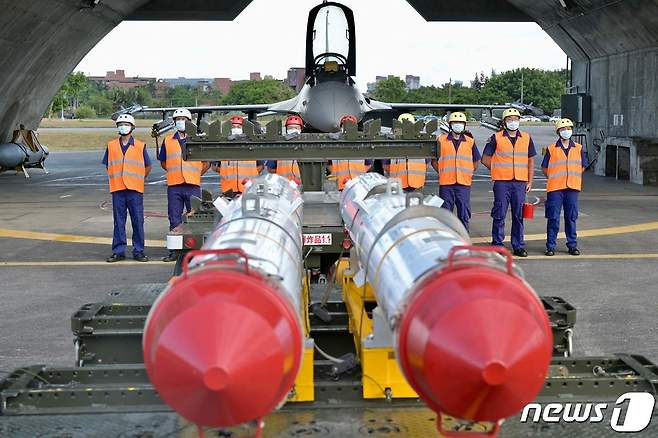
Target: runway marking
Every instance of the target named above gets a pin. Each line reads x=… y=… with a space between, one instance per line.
x=591 y=257
x=70 y=238
x=81 y=263
x=634 y=256
x=595 y=232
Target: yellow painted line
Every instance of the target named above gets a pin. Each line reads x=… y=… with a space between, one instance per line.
x=595 y=232
x=82 y=263
x=634 y=256
x=70 y=238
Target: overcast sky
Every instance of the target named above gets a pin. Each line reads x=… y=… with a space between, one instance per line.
x=268 y=36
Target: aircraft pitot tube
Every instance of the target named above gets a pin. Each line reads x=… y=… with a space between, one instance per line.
x=223 y=343
x=470 y=335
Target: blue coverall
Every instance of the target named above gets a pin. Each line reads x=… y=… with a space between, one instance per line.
x=124 y=202
x=558 y=199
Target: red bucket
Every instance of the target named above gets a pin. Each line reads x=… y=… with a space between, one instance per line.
x=528 y=211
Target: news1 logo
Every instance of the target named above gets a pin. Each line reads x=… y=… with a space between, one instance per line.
x=637 y=407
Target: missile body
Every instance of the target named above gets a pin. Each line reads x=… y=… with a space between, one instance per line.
x=470 y=335
x=223 y=344
x=13 y=155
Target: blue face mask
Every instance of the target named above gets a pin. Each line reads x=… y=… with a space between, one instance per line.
x=180 y=125
x=566 y=134
x=125 y=129
x=458 y=128
x=513 y=125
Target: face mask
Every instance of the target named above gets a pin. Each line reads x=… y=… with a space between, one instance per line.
x=566 y=134
x=236 y=131
x=458 y=128
x=125 y=130
x=294 y=131
x=513 y=125
x=180 y=125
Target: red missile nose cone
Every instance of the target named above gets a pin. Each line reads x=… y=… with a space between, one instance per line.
x=475 y=343
x=222 y=347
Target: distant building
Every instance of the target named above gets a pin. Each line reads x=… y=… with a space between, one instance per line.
x=295 y=78
x=413 y=82
x=381 y=78
x=203 y=83
x=224 y=85
x=255 y=76
x=118 y=79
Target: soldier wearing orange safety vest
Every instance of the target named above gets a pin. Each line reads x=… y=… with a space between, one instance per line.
x=128 y=164
x=345 y=170
x=510 y=156
x=288 y=168
x=564 y=164
x=183 y=177
x=410 y=171
x=457 y=161
x=233 y=173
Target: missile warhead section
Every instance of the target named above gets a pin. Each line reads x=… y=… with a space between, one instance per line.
x=223 y=344
x=471 y=336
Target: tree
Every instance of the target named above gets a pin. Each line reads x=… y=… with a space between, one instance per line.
x=543 y=88
x=85 y=112
x=255 y=92
x=392 y=89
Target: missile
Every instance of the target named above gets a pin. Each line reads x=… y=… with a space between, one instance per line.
x=470 y=335
x=24 y=151
x=223 y=343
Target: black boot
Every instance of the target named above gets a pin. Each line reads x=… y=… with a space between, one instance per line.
x=574 y=251
x=141 y=257
x=115 y=258
x=520 y=252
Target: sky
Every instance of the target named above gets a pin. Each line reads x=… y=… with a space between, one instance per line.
x=269 y=37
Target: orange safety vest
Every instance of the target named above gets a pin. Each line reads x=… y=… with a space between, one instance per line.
x=180 y=171
x=288 y=169
x=411 y=172
x=345 y=170
x=234 y=173
x=510 y=161
x=565 y=171
x=455 y=165
x=126 y=171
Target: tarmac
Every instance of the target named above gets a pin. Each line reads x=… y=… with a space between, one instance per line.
x=55 y=231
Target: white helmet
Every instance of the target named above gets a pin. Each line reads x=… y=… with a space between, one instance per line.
x=125 y=118
x=183 y=112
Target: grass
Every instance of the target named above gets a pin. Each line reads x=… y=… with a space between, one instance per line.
x=90 y=123
x=85 y=141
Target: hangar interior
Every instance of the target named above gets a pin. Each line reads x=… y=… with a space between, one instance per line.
x=612 y=44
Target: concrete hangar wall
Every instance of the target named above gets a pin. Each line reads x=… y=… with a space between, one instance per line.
x=613 y=45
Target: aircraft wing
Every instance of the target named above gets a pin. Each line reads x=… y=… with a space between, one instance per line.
x=257 y=108
x=382 y=106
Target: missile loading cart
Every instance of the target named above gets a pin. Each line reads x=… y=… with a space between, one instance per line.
x=361 y=313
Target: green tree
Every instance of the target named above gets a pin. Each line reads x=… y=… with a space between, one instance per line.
x=543 y=88
x=255 y=92
x=85 y=112
x=392 y=89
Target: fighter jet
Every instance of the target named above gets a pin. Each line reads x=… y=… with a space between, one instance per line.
x=23 y=152
x=329 y=90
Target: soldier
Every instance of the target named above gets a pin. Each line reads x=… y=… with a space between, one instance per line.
x=410 y=171
x=183 y=177
x=510 y=156
x=128 y=164
x=457 y=161
x=234 y=174
x=564 y=164
x=288 y=168
x=344 y=170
